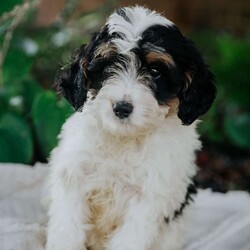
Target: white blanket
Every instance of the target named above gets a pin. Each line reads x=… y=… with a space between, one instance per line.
x=220 y=221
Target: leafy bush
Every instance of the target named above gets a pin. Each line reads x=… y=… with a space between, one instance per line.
x=228 y=121
x=31 y=114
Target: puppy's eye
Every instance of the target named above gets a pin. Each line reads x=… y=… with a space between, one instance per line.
x=155 y=72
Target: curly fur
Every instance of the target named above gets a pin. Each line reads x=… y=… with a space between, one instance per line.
x=122 y=183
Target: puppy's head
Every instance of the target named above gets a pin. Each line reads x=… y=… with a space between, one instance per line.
x=139 y=69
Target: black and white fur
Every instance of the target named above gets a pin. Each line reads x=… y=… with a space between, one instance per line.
x=121 y=176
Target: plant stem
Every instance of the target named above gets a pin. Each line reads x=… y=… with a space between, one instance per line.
x=17 y=14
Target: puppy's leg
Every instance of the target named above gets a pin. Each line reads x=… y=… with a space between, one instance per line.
x=140 y=227
x=172 y=236
x=69 y=214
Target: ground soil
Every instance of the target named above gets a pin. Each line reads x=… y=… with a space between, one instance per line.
x=223 y=169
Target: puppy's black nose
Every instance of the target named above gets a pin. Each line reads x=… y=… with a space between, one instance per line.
x=123 y=109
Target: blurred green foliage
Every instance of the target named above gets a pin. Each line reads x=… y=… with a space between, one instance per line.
x=31 y=114
x=8 y=5
x=228 y=121
x=48 y=115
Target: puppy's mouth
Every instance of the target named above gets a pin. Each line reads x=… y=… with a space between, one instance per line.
x=128 y=125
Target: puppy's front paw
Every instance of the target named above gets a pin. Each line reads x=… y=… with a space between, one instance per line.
x=124 y=244
x=62 y=240
x=64 y=246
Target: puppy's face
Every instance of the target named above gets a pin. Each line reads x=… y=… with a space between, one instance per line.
x=138 y=70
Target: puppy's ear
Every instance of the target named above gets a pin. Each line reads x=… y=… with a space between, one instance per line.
x=71 y=81
x=199 y=91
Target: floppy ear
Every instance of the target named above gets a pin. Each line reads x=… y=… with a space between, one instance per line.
x=71 y=81
x=199 y=91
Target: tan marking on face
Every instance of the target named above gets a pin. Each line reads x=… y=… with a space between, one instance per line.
x=106 y=50
x=92 y=93
x=153 y=57
x=189 y=79
x=84 y=65
x=173 y=105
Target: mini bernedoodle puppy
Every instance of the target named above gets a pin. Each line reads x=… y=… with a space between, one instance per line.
x=122 y=175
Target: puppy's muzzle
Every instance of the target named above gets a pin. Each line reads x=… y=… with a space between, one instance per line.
x=123 y=109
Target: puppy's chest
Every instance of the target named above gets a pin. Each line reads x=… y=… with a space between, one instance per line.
x=113 y=165
x=109 y=185
x=112 y=179
x=108 y=202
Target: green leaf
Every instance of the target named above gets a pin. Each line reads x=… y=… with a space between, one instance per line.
x=3 y=103
x=9 y=141
x=237 y=128
x=19 y=96
x=209 y=128
x=17 y=65
x=232 y=69
x=64 y=105
x=7 y=5
x=15 y=139
x=48 y=116
x=29 y=92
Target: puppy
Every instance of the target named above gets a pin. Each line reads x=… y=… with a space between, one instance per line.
x=121 y=176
